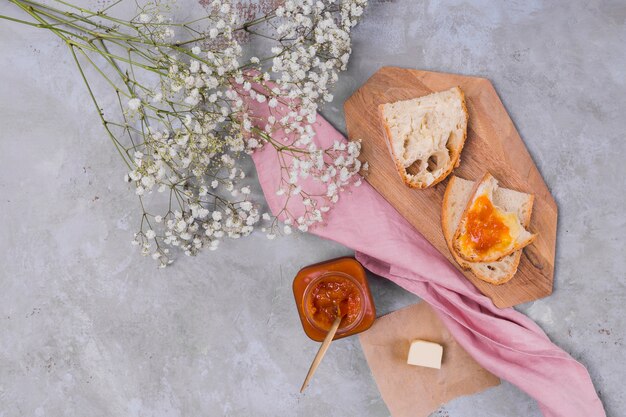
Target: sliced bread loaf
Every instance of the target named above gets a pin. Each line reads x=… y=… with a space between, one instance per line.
x=487 y=231
x=426 y=135
x=458 y=192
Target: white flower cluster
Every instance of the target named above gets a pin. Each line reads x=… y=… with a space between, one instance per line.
x=313 y=175
x=153 y=24
x=199 y=121
x=314 y=47
x=334 y=169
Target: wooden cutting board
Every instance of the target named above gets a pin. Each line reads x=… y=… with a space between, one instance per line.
x=493 y=144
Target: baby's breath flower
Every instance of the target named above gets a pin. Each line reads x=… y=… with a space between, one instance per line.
x=134 y=103
x=185 y=123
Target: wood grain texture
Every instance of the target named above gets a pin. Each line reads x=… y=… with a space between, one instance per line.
x=493 y=145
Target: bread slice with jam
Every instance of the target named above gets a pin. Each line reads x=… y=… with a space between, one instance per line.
x=490 y=230
x=457 y=194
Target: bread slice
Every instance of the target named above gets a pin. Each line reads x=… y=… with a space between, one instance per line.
x=488 y=232
x=458 y=192
x=426 y=135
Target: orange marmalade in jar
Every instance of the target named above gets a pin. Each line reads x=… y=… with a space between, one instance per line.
x=324 y=290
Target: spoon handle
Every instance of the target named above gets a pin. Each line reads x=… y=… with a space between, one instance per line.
x=321 y=352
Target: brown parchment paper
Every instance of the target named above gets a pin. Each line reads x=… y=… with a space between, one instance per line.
x=414 y=391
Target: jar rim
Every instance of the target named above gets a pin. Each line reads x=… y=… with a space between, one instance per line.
x=316 y=280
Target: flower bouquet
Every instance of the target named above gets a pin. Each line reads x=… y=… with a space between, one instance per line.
x=181 y=121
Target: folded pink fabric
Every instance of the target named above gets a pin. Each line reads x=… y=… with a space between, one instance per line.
x=504 y=341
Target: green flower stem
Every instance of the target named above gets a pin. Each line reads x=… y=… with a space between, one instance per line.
x=100 y=13
x=116 y=143
x=278 y=146
x=30 y=11
x=108 y=80
x=71 y=46
x=107 y=30
x=125 y=41
x=37 y=10
x=65 y=35
x=24 y=22
x=106 y=34
x=244 y=27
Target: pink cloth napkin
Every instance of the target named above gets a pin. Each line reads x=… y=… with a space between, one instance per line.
x=504 y=341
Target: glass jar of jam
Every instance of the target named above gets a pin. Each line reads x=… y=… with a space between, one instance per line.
x=324 y=290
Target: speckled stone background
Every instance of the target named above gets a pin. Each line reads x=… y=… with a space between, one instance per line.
x=90 y=328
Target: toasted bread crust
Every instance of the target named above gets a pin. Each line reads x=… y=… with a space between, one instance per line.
x=486 y=278
x=455 y=154
x=444 y=226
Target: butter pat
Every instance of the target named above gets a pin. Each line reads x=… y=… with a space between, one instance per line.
x=423 y=353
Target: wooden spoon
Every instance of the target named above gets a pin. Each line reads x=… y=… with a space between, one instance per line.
x=322 y=351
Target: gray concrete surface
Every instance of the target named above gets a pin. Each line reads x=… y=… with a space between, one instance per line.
x=90 y=328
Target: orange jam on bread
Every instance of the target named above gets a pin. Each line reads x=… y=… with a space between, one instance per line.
x=487 y=228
